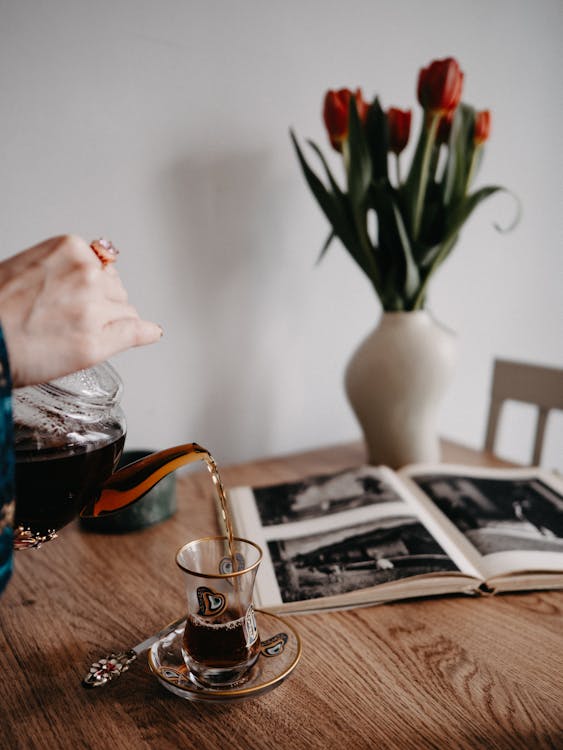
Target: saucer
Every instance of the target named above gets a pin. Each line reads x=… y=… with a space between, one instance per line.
x=280 y=652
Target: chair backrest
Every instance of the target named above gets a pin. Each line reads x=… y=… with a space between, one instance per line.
x=532 y=384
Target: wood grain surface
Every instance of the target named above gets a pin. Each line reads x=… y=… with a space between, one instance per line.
x=442 y=673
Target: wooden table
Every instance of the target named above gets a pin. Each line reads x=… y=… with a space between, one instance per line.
x=441 y=673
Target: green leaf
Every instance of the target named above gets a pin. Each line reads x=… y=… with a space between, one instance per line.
x=440 y=253
x=460 y=156
x=415 y=187
x=359 y=164
x=436 y=255
x=400 y=274
x=341 y=216
x=517 y=215
x=324 y=198
x=325 y=247
x=412 y=276
x=377 y=137
x=331 y=205
x=333 y=184
x=429 y=255
x=466 y=207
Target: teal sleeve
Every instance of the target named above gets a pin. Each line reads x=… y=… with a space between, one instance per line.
x=7 y=482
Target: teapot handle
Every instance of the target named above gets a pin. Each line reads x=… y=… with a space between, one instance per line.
x=129 y=484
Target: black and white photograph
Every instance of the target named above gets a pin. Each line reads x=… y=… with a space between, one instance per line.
x=323 y=495
x=499 y=515
x=356 y=557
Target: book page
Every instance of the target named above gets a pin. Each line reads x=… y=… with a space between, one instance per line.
x=504 y=520
x=328 y=536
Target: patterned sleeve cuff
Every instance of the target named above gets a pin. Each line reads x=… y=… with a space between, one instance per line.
x=7 y=482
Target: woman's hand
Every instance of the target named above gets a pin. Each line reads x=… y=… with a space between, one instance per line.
x=62 y=310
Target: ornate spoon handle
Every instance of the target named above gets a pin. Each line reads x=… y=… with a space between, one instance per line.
x=110 y=667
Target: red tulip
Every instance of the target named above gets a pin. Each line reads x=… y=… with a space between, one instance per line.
x=399 y=122
x=439 y=85
x=482 y=127
x=335 y=114
x=445 y=127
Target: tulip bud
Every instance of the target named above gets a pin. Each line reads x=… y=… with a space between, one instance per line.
x=482 y=127
x=399 y=122
x=440 y=85
x=336 y=112
x=361 y=106
x=445 y=127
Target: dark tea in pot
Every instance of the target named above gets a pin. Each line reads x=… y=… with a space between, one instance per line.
x=69 y=435
x=53 y=486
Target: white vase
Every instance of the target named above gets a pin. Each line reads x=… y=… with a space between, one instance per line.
x=395 y=382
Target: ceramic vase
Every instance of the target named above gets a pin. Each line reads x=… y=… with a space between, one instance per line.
x=395 y=382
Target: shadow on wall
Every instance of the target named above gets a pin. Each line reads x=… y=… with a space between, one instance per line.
x=224 y=225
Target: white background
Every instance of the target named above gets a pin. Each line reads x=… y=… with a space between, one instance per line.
x=164 y=126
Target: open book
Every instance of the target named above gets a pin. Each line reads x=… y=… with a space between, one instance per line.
x=370 y=535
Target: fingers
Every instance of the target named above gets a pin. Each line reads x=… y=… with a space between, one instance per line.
x=124 y=333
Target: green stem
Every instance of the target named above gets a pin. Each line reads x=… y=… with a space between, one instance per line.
x=472 y=168
x=398 y=170
x=420 y=193
x=346 y=160
x=444 y=251
x=360 y=220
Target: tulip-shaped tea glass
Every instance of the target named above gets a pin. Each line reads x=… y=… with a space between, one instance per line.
x=221 y=641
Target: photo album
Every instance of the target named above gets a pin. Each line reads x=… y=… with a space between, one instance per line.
x=370 y=535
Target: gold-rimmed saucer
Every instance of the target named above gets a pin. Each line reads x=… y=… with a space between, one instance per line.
x=280 y=652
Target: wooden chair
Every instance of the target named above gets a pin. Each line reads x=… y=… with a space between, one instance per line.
x=532 y=384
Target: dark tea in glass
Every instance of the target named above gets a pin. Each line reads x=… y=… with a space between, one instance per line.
x=223 y=644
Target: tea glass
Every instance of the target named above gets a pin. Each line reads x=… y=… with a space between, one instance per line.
x=221 y=641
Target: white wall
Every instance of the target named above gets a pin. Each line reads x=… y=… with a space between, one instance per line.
x=163 y=124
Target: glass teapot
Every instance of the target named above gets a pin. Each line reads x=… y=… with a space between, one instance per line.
x=69 y=436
